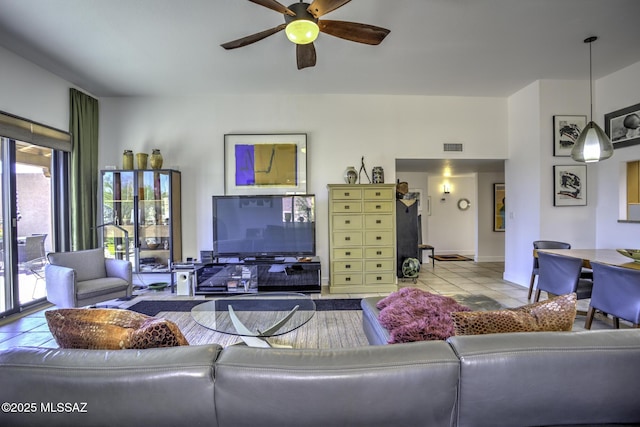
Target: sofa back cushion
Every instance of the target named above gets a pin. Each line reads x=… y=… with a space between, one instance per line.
x=408 y=385
x=548 y=378
x=156 y=387
x=88 y=264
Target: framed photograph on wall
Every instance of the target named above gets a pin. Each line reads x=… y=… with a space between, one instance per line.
x=499 y=207
x=566 y=130
x=570 y=185
x=623 y=126
x=265 y=163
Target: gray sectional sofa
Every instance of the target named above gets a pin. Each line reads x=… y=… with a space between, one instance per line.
x=510 y=380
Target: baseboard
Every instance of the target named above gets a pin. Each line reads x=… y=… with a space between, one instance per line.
x=490 y=259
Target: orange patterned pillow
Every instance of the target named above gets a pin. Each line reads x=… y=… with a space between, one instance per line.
x=554 y=314
x=111 y=329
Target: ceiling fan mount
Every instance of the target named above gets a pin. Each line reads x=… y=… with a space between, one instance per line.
x=301 y=12
x=303 y=23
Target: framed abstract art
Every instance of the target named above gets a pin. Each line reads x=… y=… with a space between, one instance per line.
x=566 y=130
x=265 y=163
x=570 y=185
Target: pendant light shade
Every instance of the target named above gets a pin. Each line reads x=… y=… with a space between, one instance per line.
x=593 y=144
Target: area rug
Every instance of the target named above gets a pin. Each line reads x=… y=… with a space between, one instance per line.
x=454 y=257
x=152 y=308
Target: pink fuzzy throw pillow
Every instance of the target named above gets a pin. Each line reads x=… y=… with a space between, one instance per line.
x=412 y=314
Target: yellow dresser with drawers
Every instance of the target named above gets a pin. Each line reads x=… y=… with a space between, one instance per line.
x=362 y=240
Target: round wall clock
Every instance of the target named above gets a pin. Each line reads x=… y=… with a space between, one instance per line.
x=464 y=204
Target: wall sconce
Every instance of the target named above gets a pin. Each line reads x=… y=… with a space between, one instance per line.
x=446 y=189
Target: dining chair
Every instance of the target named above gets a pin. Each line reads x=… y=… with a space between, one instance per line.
x=543 y=244
x=616 y=291
x=560 y=275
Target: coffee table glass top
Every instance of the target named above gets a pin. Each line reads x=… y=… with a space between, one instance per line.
x=262 y=314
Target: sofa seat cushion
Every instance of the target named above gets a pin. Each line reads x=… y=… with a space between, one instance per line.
x=111 y=329
x=412 y=314
x=96 y=287
x=554 y=314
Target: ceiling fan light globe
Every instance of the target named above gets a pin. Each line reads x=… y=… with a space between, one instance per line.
x=302 y=31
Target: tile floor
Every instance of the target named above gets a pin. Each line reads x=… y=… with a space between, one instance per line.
x=447 y=278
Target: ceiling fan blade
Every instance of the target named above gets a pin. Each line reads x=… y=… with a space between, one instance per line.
x=305 y=55
x=274 y=5
x=253 y=38
x=322 y=7
x=354 y=31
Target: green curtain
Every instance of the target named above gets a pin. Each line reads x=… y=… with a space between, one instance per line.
x=84 y=170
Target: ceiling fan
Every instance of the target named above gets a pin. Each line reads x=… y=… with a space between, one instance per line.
x=302 y=25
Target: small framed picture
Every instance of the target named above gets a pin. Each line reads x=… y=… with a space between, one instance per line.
x=499 y=207
x=570 y=185
x=566 y=130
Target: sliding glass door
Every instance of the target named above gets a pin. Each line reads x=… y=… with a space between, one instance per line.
x=28 y=175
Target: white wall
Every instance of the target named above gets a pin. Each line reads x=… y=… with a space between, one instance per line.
x=616 y=91
x=522 y=183
x=490 y=244
x=451 y=230
x=31 y=92
x=529 y=171
x=340 y=128
x=529 y=175
x=573 y=224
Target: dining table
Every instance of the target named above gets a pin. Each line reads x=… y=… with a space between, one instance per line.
x=604 y=256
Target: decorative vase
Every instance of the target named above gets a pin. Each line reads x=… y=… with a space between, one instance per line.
x=141 y=159
x=377 y=175
x=156 y=159
x=350 y=175
x=127 y=160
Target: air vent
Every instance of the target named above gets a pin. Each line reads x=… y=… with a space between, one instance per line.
x=452 y=147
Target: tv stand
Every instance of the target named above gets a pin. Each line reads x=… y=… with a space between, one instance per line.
x=264 y=260
x=235 y=275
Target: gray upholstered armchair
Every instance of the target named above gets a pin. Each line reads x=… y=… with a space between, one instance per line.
x=82 y=278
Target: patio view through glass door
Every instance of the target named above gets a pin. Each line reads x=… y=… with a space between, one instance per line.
x=33 y=197
x=24 y=242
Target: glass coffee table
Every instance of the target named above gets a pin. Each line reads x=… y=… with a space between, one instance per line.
x=256 y=317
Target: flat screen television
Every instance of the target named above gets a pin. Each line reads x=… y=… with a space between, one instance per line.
x=264 y=226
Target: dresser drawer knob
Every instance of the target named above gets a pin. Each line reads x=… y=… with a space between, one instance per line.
x=347 y=194
x=347 y=207
x=348 y=221
x=378 y=207
x=378 y=221
x=347 y=266
x=379 y=265
x=377 y=193
x=378 y=237
x=347 y=253
x=347 y=238
x=379 y=253
x=379 y=278
x=347 y=279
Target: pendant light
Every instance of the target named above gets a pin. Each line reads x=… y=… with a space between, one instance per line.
x=593 y=144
